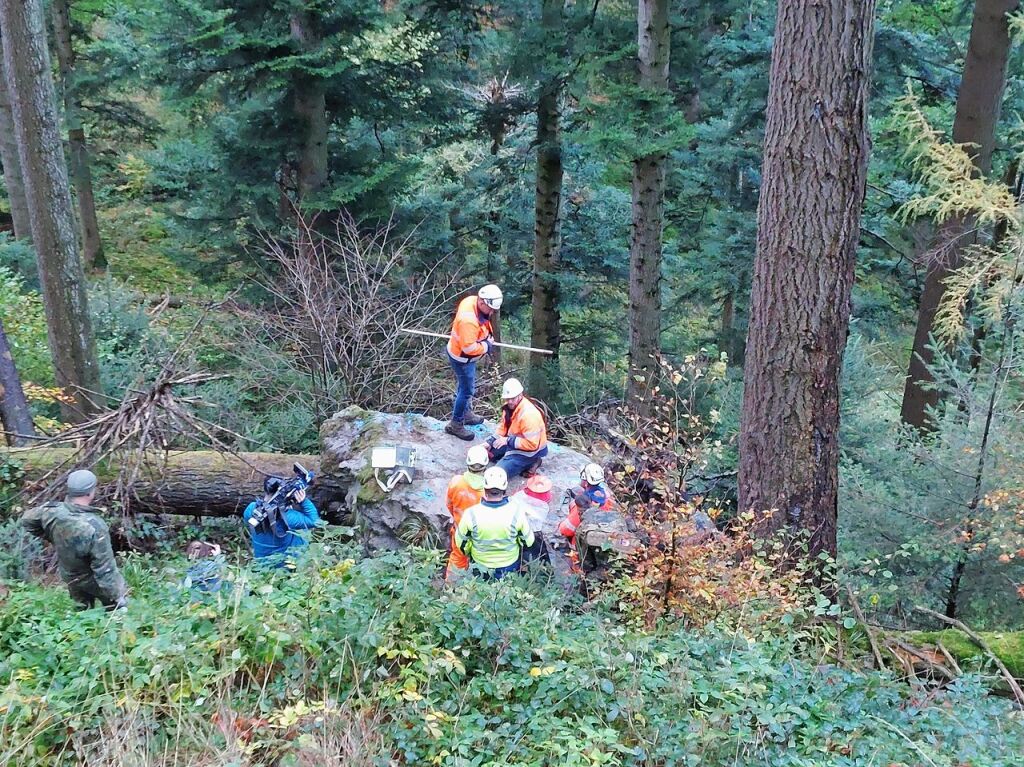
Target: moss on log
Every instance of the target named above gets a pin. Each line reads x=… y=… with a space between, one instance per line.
x=199 y=482
x=1007 y=645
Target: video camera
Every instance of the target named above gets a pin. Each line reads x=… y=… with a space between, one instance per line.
x=269 y=509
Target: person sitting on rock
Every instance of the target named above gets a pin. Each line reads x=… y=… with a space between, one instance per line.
x=276 y=539
x=590 y=493
x=535 y=500
x=522 y=438
x=494 y=532
x=464 y=490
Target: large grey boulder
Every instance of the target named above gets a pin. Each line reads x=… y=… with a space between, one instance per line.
x=416 y=513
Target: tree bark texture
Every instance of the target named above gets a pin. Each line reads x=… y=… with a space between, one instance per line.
x=78 y=149
x=12 y=164
x=311 y=111
x=14 y=411
x=816 y=149
x=546 y=327
x=44 y=172
x=200 y=482
x=977 y=115
x=654 y=36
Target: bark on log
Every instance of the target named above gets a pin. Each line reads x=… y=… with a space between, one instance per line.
x=199 y=482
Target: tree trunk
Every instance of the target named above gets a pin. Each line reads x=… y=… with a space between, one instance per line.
x=495 y=260
x=816 y=149
x=14 y=412
x=654 y=36
x=727 y=328
x=200 y=482
x=977 y=114
x=44 y=173
x=546 y=327
x=12 y=165
x=78 y=150
x=494 y=358
x=311 y=112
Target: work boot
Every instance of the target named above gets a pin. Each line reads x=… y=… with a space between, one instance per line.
x=472 y=419
x=458 y=429
x=533 y=468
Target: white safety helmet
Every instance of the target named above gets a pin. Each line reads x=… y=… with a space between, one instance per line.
x=495 y=478
x=592 y=474
x=513 y=387
x=477 y=457
x=491 y=295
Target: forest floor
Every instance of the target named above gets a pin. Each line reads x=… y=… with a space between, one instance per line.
x=366 y=661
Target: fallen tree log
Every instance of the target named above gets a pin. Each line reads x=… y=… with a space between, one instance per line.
x=195 y=482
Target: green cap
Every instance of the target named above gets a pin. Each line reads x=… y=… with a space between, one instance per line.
x=81 y=482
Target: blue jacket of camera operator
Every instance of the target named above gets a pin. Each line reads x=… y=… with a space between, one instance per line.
x=282 y=540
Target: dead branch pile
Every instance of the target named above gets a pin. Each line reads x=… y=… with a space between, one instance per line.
x=340 y=297
x=137 y=435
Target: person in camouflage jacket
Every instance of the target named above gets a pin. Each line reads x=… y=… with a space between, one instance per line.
x=82 y=541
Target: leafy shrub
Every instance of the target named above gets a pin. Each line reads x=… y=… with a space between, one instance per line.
x=21 y=311
x=19 y=258
x=11 y=474
x=21 y=554
x=906 y=505
x=514 y=672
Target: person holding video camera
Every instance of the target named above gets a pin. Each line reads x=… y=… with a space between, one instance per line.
x=275 y=521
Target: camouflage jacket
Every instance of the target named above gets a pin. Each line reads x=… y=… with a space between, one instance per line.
x=82 y=541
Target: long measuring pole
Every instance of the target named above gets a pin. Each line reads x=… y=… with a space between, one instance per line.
x=429 y=334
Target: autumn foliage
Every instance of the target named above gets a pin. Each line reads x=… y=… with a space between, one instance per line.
x=701 y=562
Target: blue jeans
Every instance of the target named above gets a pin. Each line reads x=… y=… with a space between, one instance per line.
x=515 y=464
x=465 y=387
x=498 y=572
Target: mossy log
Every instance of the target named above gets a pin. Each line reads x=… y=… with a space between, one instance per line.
x=1007 y=645
x=195 y=482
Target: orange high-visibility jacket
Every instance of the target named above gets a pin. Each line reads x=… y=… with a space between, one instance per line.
x=525 y=429
x=468 y=332
x=461 y=495
x=571 y=522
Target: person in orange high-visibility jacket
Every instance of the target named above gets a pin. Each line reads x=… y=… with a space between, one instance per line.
x=465 y=490
x=590 y=493
x=470 y=340
x=522 y=438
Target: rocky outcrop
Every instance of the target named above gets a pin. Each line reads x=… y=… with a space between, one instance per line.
x=415 y=513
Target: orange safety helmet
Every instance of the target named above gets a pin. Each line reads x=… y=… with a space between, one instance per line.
x=538 y=486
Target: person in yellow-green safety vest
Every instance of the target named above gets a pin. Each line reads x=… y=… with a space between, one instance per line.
x=494 y=532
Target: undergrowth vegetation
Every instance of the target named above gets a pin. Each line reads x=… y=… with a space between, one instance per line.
x=372 y=662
